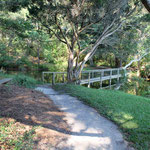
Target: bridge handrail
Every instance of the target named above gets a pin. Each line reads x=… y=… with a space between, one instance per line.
x=101 y=70
x=54 y=72
x=87 y=71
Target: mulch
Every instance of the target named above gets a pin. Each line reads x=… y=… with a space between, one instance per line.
x=30 y=108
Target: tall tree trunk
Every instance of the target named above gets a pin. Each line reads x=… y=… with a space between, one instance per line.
x=139 y=69
x=118 y=62
x=146 y=3
x=70 y=75
x=91 y=62
x=74 y=73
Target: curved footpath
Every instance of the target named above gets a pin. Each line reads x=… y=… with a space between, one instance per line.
x=89 y=130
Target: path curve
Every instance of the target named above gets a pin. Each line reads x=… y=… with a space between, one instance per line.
x=89 y=130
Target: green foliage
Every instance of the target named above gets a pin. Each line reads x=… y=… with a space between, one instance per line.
x=25 y=81
x=11 y=138
x=18 y=26
x=7 y=61
x=24 y=63
x=146 y=72
x=137 y=86
x=129 y=112
x=25 y=142
x=21 y=80
x=15 y=5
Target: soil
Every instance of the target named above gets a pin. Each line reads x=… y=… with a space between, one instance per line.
x=30 y=108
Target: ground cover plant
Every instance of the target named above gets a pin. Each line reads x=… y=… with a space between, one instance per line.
x=21 y=80
x=15 y=136
x=131 y=113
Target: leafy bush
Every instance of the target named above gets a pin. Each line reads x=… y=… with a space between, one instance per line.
x=43 y=67
x=7 y=62
x=23 y=63
x=25 y=81
x=146 y=72
x=137 y=86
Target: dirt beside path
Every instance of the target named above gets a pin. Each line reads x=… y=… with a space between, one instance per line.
x=29 y=108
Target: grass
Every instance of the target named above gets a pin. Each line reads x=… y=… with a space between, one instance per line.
x=12 y=138
x=21 y=80
x=131 y=113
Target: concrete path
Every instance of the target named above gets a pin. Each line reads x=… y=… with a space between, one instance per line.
x=89 y=130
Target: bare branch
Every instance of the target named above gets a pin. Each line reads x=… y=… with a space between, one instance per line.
x=146 y=3
x=109 y=33
x=58 y=37
x=61 y=31
x=136 y=59
x=90 y=24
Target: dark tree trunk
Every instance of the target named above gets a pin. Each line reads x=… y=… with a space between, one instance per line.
x=146 y=3
x=91 y=62
x=118 y=62
x=139 y=69
x=70 y=75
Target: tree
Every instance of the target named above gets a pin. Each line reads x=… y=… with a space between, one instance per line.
x=80 y=25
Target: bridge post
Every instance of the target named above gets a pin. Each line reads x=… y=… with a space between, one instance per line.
x=43 y=76
x=89 y=84
x=92 y=73
x=118 y=72
x=63 y=78
x=101 y=81
x=110 y=79
x=53 y=79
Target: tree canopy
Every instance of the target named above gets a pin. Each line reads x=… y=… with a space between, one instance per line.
x=83 y=27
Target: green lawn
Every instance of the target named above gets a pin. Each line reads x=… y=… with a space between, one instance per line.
x=131 y=113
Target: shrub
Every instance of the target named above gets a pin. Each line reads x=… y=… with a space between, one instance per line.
x=137 y=86
x=25 y=81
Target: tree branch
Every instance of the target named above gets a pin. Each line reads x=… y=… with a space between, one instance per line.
x=61 y=31
x=90 y=24
x=146 y=3
x=136 y=59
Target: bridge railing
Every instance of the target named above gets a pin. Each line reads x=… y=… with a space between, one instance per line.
x=87 y=77
x=54 y=77
x=91 y=76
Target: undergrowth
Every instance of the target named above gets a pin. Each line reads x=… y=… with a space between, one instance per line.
x=22 y=80
x=13 y=136
x=26 y=81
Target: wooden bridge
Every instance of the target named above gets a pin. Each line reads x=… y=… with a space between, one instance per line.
x=87 y=77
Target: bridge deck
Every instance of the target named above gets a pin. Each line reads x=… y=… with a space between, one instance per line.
x=92 y=80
